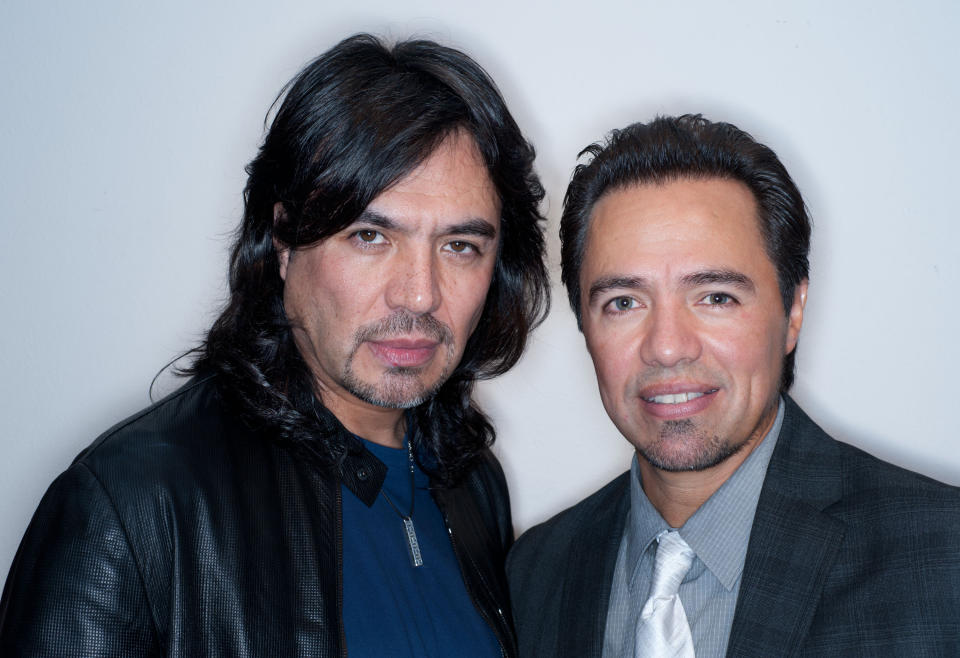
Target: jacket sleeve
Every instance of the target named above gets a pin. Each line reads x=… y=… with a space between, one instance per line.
x=74 y=587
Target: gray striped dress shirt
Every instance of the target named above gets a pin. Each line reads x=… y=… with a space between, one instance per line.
x=718 y=533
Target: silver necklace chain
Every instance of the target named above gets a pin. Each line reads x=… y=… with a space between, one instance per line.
x=410 y=533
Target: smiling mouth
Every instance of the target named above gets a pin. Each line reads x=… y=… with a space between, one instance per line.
x=679 y=398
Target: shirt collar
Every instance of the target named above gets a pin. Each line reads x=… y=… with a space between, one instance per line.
x=719 y=531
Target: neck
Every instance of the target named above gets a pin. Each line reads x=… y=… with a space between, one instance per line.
x=382 y=425
x=677 y=495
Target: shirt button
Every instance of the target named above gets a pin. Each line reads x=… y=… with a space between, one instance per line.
x=363 y=474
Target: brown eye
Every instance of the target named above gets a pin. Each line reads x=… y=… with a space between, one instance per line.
x=460 y=247
x=369 y=236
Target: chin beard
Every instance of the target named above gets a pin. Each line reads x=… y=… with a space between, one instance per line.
x=399 y=388
x=682 y=446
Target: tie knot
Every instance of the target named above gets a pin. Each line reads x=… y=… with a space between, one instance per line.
x=672 y=563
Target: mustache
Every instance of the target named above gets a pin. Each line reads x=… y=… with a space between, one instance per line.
x=659 y=374
x=401 y=323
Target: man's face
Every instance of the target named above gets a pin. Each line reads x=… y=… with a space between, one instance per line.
x=383 y=309
x=684 y=320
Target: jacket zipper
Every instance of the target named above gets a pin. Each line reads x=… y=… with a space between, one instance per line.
x=339 y=525
x=466 y=583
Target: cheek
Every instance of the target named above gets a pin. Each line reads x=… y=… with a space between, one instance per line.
x=464 y=295
x=611 y=364
x=355 y=289
x=331 y=289
x=754 y=355
x=344 y=273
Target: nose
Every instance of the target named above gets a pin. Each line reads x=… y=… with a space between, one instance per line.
x=670 y=337
x=413 y=283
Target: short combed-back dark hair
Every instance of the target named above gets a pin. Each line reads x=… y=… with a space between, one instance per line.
x=690 y=147
x=352 y=123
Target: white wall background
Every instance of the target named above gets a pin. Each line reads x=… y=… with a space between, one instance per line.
x=124 y=129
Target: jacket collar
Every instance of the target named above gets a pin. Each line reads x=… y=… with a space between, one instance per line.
x=356 y=468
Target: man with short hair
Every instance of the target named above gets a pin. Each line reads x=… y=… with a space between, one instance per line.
x=742 y=529
x=323 y=482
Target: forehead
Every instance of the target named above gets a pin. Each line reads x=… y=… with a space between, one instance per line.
x=452 y=183
x=682 y=224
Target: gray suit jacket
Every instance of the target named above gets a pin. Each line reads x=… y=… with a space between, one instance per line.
x=848 y=556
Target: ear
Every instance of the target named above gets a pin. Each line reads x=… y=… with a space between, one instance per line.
x=283 y=251
x=795 y=319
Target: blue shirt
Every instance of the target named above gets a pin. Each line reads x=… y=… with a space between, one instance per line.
x=391 y=608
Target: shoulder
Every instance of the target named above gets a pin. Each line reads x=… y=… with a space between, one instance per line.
x=140 y=451
x=175 y=441
x=598 y=516
x=893 y=521
x=865 y=487
x=104 y=532
x=905 y=512
x=865 y=474
x=193 y=409
x=896 y=537
x=171 y=466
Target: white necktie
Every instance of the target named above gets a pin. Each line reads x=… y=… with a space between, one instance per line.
x=663 y=630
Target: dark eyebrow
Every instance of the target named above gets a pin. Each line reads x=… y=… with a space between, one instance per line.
x=726 y=277
x=478 y=227
x=608 y=283
x=705 y=277
x=376 y=219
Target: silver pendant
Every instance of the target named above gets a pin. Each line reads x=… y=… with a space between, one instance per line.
x=413 y=546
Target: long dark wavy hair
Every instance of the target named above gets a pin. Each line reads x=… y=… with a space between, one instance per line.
x=351 y=123
x=690 y=146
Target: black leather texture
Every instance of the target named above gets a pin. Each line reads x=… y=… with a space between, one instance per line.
x=180 y=532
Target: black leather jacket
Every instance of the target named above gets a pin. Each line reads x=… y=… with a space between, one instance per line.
x=180 y=532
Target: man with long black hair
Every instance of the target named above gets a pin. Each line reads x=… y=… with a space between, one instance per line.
x=323 y=482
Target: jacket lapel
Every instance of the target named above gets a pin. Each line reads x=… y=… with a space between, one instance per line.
x=586 y=592
x=793 y=542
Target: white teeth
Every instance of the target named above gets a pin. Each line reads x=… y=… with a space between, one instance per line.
x=675 y=398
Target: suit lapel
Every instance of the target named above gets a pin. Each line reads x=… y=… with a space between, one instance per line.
x=791 y=551
x=793 y=542
x=586 y=592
